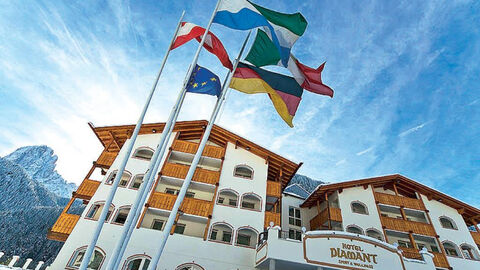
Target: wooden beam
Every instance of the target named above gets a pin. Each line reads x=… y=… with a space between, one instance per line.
x=114 y=139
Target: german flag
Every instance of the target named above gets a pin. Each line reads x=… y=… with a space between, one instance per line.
x=284 y=91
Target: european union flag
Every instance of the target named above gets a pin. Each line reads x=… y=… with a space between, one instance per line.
x=203 y=81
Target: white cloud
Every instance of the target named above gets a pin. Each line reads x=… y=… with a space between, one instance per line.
x=411 y=130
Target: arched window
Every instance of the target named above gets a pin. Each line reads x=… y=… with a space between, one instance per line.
x=451 y=249
x=95 y=262
x=243 y=171
x=137 y=181
x=354 y=229
x=189 y=266
x=374 y=234
x=121 y=215
x=143 y=153
x=247 y=237
x=96 y=209
x=447 y=223
x=251 y=201
x=469 y=252
x=359 y=208
x=123 y=181
x=228 y=197
x=221 y=232
x=137 y=262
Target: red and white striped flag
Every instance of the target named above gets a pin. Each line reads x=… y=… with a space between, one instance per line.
x=189 y=31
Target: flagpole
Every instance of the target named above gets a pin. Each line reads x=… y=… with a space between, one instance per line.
x=173 y=118
x=153 y=167
x=121 y=169
x=196 y=159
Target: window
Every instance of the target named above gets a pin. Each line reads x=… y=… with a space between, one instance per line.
x=294 y=234
x=246 y=237
x=294 y=217
x=451 y=249
x=447 y=223
x=121 y=216
x=171 y=191
x=251 y=201
x=190 y=194
x=137 y=263
x=374 y=234
x=354 y=229
x=96 y=210
x=189 y=266
x=179 y=228
x=359 y=208
x=469 y=252
x=137 y=181
x=227 y=197
x=157 y=224
x=221 y=232
x=123 y=180
x=243 y=171
x=95 y=262
x=405 y=244
x=143 y=153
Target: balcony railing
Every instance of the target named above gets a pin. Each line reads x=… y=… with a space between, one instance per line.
x=191 y=147
x=63 y=227
x=408 y=226
x=190 y=206
x=439 y=259
x=319 y=220
x=106 y=158
x=271 y=216
x=274 y=189
x=201 y=175
x=476 y=237
x=86 y=189
x=390 y=199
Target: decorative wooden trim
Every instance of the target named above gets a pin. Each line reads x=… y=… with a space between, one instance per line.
x=379 y=215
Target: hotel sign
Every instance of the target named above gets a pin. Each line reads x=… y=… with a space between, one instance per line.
x=350 y=252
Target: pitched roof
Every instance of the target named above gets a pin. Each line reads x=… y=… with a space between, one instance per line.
x=113 y=138
x=404 y=184
x=296 y=190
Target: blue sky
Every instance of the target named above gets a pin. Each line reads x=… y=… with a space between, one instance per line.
x=405 y=75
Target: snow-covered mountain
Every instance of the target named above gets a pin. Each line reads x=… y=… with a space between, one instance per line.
x=32 y=196
x=305 y=182
x=39 y=163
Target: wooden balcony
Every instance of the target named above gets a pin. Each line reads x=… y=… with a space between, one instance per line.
x=191 y=147
x=201 y=175
x=319 y=220
x=63 y=227
x=389 y=199
x=271 y=216
x=439 y=259
x=190 y=206
x=86 y=189
x=274 y=189
x=408 y=226
x=106 y=159
x=476 y=237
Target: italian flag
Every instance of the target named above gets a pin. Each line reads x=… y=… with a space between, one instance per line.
x=263 y=53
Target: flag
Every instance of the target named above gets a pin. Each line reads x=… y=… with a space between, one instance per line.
x=263 y=53
x=283 y=90
x=203 y=81
x=189 y=31
x=284 y=29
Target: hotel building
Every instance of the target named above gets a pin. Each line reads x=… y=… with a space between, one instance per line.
x=239 y=214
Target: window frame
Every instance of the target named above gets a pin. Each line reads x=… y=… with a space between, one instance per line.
x=377 y=231
x=232 y=231
x=362 y=232
x=143 y=148
x=156 y=220
x=133 y=181
x=84 y=249
x=246 y=228
x=106 y=182
x=99 y=203
x=226 y=201
x=180 y=225
x=129 y=207
x=359 y=203
x=452 y=222
x=136 y=257
x=295 y=209
x=254 y=195
x=457 y=250
x=243 y=177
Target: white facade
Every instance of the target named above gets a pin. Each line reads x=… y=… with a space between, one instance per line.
x=231 y=220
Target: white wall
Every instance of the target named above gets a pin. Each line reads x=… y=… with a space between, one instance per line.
x=288 y=201
x=365 y=196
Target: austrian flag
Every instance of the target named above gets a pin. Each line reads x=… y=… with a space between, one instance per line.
x=189 y=31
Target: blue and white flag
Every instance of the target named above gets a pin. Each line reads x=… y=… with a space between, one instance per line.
x=203 y=81
x=283 y=29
